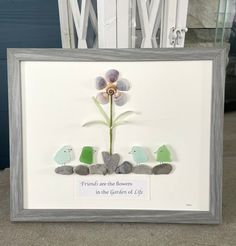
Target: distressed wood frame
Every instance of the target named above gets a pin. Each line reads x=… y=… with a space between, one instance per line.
x=18 y=213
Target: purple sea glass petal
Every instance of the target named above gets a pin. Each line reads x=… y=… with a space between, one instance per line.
x=120 y=99
x=100 y=83
x=112 y=75
x=123 y=85
x=102 y=97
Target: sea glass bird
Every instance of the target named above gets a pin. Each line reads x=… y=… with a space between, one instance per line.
x=139 y=155
x=64 y=155
x=163 y=154
x=86 y=155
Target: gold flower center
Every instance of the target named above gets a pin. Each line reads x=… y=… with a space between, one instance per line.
x=111 y=89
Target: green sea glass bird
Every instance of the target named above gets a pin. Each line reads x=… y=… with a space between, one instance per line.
x=64 y=155
x=86 y=155
x=139 y=155
x=163 y=154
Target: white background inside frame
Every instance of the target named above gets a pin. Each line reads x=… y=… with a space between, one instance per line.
x=173 y=98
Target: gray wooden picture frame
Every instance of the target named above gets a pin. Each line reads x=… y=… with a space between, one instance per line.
x=18 y=213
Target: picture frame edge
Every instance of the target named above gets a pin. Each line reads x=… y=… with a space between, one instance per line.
x=15 y=56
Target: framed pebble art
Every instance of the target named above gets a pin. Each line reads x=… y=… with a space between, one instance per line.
x=126 y=135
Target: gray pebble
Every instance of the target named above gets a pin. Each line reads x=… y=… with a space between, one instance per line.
x=98 y=169
x=162 y=169
x=111 y=161
x=125 y=168
x=64 y=170
x=142 y=169
x=81 y=170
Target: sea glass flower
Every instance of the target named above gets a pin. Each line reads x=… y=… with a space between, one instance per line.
x=111 y=85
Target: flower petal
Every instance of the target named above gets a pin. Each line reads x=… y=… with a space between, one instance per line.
x=120 y=98
x=102 y=97
x=100 y=83
x=112 y=75
x=123 y=85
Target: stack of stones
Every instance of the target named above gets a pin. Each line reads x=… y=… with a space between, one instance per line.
x=111 y=165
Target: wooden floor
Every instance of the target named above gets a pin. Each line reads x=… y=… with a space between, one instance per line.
x=101 y=234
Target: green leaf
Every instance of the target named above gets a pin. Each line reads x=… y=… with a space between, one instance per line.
x=95 y=122
x=120 y=123
x=124 y=115
x=101 y=110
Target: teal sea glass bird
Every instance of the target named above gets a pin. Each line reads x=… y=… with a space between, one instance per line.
x=139 y=155
x=64 y=155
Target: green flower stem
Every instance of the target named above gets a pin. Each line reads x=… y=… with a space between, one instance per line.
x=111 y=123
